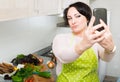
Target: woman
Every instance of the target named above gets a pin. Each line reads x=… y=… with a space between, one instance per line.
x=78 y=53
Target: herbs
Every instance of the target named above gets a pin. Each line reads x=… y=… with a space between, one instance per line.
x=28 y=71
x=17 y=79
x=33 y=65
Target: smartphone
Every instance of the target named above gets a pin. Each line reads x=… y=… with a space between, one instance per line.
x=100 y=13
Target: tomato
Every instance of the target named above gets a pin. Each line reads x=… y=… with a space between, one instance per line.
x=27 y=80
x=30 y=79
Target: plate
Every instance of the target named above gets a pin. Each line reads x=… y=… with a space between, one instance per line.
x=10 y=74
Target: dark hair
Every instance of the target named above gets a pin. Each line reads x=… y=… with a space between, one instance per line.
x=82 y=8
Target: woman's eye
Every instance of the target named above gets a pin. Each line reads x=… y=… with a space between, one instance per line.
x=78 y=16
x=69 y=18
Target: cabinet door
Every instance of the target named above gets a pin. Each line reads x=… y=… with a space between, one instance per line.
x=47 y=7
x=23 y=8
x=13 y=9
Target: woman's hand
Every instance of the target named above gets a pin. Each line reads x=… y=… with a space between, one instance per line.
x=91 y=35
x=107 y=42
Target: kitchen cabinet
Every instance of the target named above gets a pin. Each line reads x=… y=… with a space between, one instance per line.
x=47 y=7
x=14 y=9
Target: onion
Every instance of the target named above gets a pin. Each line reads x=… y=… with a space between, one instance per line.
x=50 y=64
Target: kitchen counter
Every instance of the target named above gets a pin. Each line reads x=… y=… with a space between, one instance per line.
x=45 y=55
x=110 y=79
x=46 y=59
x=53 y=71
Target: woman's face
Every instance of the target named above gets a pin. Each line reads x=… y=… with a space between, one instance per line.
x=77 y=21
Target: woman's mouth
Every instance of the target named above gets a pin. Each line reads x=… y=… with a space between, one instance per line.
x=74 y=26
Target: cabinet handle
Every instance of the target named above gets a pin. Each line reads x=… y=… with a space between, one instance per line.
x=36 y=6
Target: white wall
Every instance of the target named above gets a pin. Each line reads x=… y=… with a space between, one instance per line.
x=113 y=67
x=28 y=35
x=25 y=36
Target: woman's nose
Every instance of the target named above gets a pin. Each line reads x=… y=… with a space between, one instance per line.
x=73 y=21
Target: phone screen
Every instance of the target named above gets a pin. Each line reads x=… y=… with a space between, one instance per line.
x=100 y=13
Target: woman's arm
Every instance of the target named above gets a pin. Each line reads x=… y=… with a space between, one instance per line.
x=104 y=55
x=63 y=49
x=108 y=47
